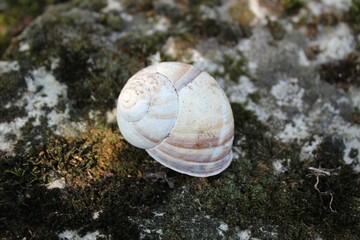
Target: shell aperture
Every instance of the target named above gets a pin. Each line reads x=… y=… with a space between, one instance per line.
x=183 y=118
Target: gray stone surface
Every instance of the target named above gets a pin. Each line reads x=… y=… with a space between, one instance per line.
x=292 y=78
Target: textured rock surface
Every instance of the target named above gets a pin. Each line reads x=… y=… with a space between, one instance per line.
x=290 y=69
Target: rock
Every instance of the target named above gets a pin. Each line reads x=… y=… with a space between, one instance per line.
x=297 y=138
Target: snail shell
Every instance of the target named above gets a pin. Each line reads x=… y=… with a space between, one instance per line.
x=180 y=116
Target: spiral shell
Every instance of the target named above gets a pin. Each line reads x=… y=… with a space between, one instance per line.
x=180 y=115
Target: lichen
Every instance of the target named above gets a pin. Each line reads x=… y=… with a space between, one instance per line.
x=270 y=190
x=276 y=29
x=104 y=173
x=17 y=15
x=248 y=193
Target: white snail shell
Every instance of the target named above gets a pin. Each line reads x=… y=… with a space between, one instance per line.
x=180 y=115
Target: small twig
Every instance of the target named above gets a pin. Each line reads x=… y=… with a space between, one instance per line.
x=331 y=200
x=317 y=182
x=322 y=172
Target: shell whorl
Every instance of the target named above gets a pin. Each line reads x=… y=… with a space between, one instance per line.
x=195 y=130
x=147 y=109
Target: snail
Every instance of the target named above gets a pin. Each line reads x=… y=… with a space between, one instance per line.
x=180 y=116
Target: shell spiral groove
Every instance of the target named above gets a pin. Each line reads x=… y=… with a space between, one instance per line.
x=180 y=115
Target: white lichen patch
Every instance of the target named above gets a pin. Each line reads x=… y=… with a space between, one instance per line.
x=74 y=235
x=343 y=5
x=155 y=58
x=111 y=116
x=262 y=14
x=296 y=129
x=96 y=215
x=145 y=232
x=207 y=12
x=113 y=5
x=206 y=56
x=54 y=63
x=12 y=128
x=298 y=105
x=280 y=165
x=323 y=6
x=354 y=96
x=309 y=147
x=58 y=183
x=43 y=94
x=244 y=234
x=24 y=46
x=241 y=91
x=158 y=214
x=70 y=129
x=161 y=24
x=223 y=228
x=205 y=63
x=6 y=66
x=288 y=93
x=352 y=154
x=303 y=59
x=334 y=43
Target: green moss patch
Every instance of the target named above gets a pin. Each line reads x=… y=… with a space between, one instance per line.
x=102 y=173
x=250 y=195
x=292 y=6
x=129 y=190
x=354 y=12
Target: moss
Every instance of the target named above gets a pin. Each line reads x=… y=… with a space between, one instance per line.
x=292 y=6
x=138 y=6
x=17 y=15
x=247 y=124
x=93 y=5
x=105 y=174
x=356 y=117
x=330 y=19
x=140 y=46
x=193 y=23
x=248 y=193
x=209 y=3
x=9 y=114
x=74 y=65
x=102 y=173
x=342 y=73
x=36 y=212
x=276 y=29
x=93 y=68
x=95 y=86
x=226 y=33
x=354 y=12
x=255 y=97
x=98 y=154
x=5 y=38
x=234 y=67
x=112 y=19
x=12 y=85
